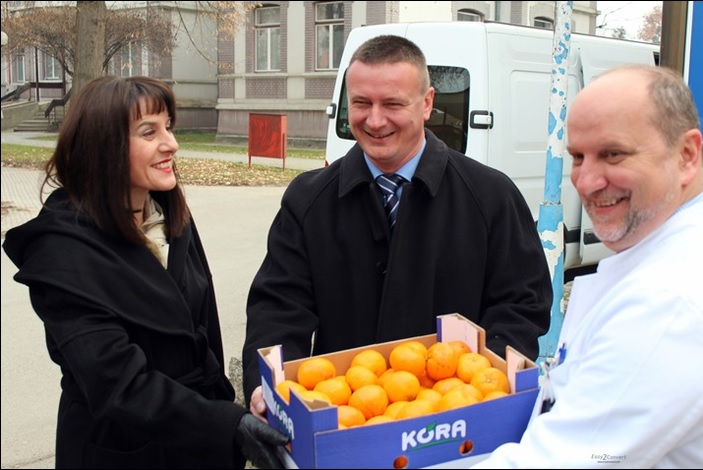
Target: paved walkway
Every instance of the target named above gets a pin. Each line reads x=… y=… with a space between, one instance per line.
x=20 y=196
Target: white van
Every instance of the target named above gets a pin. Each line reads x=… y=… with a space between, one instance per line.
x=491 y=103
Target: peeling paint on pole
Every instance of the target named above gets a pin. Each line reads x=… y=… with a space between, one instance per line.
x=551 y=212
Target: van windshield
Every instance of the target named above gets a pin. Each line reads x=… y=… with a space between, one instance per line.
x=449 y=118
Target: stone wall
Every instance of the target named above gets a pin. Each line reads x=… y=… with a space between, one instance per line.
x=14 y=113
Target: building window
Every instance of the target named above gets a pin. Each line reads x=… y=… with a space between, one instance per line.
x=127 y=67
x=52 y=68
x=544 y=23
x=18 y=68
x=329 y=35
x=469 y=15
x=268 y=39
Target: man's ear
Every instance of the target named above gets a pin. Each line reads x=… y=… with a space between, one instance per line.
x=691 y=155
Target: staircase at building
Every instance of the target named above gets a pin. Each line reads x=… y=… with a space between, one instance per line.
x=39 y=123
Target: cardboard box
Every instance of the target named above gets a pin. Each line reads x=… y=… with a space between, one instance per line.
x=449 y=437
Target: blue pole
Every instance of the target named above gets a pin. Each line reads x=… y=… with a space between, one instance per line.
x=551 y=212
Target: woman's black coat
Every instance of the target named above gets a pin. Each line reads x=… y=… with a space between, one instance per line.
x=139 y=346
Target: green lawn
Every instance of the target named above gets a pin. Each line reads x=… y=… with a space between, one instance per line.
x=193 y=171
x=208 y=143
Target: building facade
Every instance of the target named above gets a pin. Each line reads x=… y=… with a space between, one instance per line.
x=284 y=59
x=192 y=75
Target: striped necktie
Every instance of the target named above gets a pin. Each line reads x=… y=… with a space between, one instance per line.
x=389 y=185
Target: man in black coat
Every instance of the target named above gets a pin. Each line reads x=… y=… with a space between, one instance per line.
x=338 y=275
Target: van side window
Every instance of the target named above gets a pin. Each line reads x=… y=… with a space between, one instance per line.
x=449 y=119
x=450 y=116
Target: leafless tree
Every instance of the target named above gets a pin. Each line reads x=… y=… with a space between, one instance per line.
x=651 y=29
x=54 y=30
x=620 y=32
x=90 y=24
x=64 y=30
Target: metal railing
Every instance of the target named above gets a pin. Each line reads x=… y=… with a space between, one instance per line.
x=51 y=110
x=27 y=87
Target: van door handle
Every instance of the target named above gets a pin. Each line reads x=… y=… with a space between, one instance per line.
x=481 y=120
x=331 y=110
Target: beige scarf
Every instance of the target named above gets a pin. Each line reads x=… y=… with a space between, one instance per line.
x=154 y=227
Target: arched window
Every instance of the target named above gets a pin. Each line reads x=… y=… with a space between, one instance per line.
x=544 y=23
x=469 y=15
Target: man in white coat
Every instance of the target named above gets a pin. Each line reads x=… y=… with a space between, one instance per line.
x=626 y=388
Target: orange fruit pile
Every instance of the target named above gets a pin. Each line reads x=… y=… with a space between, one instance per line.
x=414 y=380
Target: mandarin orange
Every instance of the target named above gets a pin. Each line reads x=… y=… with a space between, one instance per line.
x=458 y=397
x=444 y=385
x=490 y=379
x=495 y=394
x=312 y=395
x=461 y=347
x=417 y=345
x=470 y=363
x=337 y=390
x=393 y=409
x=442 y=360
x=358 y=376
x=371 y=359
x=380 y=419
x=408 y=358
x=371 y=400
x=283 y=388
x=426 y=381
x=416 y=408
x=314 y=370
x=384 y=376
x=349 y=416
x=401 y=386
x=433 y=396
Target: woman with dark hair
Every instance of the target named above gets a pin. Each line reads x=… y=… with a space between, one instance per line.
x=117 y=273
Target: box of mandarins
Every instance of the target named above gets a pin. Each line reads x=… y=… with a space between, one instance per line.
x=428 y=401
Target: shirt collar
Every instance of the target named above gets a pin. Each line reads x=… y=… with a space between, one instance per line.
x=690 y=202
x=406 y=171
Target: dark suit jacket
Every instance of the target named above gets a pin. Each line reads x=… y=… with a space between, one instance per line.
x=139 y=346
x=464 y=241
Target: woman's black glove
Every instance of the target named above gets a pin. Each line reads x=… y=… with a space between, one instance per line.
x=258 y=441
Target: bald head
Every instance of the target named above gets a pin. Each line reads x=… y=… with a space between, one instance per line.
x=659 y=92
x=621 y=95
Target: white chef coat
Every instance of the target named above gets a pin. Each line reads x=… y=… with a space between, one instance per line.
x=629 y=392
